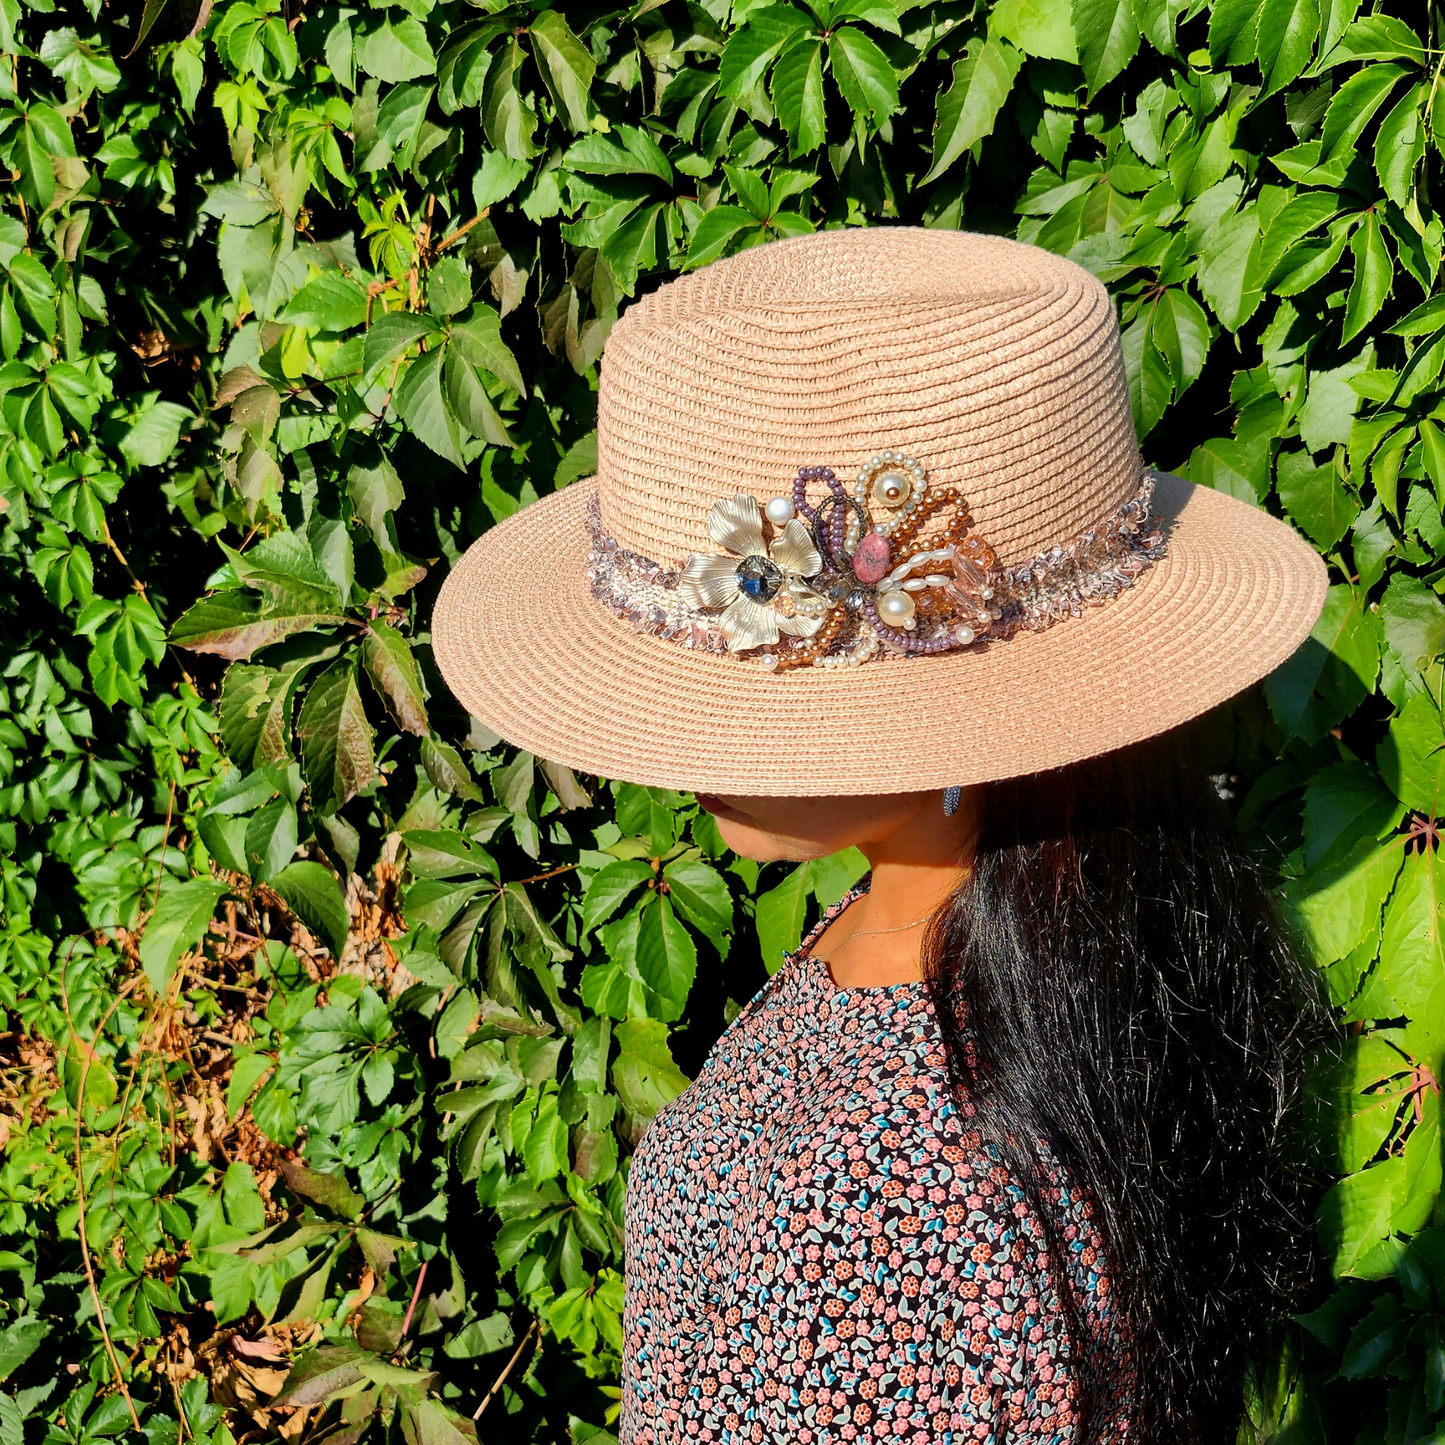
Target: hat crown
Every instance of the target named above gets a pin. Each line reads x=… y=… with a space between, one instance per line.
x=994 y=364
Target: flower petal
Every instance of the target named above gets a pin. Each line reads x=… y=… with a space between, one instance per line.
x=798 y=625
x=708 y=580
x=793 y=550
x=748 y=624
x=737 y=524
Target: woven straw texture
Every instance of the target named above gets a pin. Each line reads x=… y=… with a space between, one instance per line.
x=994 y=364
x=998 y=366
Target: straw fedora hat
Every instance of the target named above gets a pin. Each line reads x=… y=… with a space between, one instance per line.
x=869 y=516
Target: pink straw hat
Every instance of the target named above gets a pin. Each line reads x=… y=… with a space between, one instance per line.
x=869 y=516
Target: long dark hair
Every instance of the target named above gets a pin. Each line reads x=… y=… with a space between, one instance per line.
x=1117 y=998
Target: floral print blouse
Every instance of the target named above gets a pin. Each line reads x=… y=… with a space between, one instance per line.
x=819 y=1250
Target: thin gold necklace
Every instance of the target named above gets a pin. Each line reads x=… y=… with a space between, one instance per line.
x=871 y=932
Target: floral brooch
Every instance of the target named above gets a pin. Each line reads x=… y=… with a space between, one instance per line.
x=885 y=566
x=831 y=582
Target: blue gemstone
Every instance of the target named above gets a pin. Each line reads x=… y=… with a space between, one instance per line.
x=759 y=579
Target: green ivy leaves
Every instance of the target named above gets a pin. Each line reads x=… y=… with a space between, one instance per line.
x=343 y=337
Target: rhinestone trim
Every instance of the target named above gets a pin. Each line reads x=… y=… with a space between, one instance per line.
x=1087 y=571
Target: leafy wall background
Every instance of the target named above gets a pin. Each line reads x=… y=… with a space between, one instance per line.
x=331 y=1022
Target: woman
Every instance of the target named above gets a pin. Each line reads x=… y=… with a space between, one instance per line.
x=995 y=1155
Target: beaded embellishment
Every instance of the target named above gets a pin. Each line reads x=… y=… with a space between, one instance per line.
x=885 y=568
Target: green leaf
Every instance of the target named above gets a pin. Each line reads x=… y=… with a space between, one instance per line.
x=1229 y=467
x=1315 y=497
x=458 y=1020
x=1357 y=1214
x=449 y=287
x=969 y=108
x=1338 y=907
x=1108 y=37
x=626 y=151
x=717 y=229
x=446 y=770
x=1179 y=330
x=579 y=461
x=392 y=336
x=1331 y=674
x=610 y=887
x=699 y=892
x=396 y=50
x=285 y=568
x=1412 y=757
x=1374 y=276
x=335 y=738
x=643 y=1073
x=1150 y=385
x=1412 y=621
x=1353 y=106
x=567 y=66
x=1229 y=275
x=319 y=1374
x=481 y=1337
x=1331 y=403
x=421 y=401
x=18 y=1341
x=180 y=920
x=271 y=839
x=315 y=897
x=332 y=302
x=508 y=117
x=1400 y=145
x=1044 y=28
x=780 y=916
x=247 y=1071
x=1233 y=31
x=863 y=73
x=666 y=958
x=797 y=91
x=393 y=672
x=1344 y=803
x=375 y=491
x=233 y=625
x=752 y=49
x=1287 y=33
x=479 y=339
x=331 y=1191
x=498 y=178
x=444 y=853
x=153 y=433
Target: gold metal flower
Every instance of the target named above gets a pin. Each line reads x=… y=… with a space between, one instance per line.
x=750 y=591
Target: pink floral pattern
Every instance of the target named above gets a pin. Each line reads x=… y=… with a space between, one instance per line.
x=820 y=1250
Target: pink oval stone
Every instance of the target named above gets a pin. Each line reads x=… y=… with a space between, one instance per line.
x=870 y=561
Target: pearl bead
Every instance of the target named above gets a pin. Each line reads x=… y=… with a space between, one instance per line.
x=892 y=488
x=768 y=661
x=896 y=608
x=964 y=635
x=780 y=511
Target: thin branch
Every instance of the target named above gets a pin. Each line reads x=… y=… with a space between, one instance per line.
x=89 y=1053
x=502 y=1378
x=415 y=1296
x=161 y=866
x=459 y=232
x=550 y=873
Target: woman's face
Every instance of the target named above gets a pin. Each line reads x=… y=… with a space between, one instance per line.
x=796 y=829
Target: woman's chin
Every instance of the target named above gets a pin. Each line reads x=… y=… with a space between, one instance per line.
x=747 y=840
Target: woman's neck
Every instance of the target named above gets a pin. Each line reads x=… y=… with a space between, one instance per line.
x=916 y=867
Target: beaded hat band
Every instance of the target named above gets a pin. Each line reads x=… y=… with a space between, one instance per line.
x=888 y=569
x=706 y=613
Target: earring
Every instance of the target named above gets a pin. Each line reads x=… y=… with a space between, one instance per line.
x=951 y=799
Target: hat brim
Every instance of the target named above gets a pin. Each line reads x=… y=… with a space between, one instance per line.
x=532 y=654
